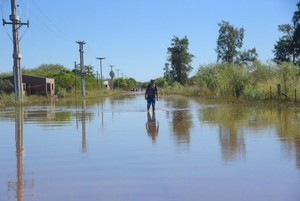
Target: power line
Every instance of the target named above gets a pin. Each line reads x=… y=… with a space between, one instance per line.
x=60 y=31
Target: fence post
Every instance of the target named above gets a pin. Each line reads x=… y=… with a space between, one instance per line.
x=278 y=90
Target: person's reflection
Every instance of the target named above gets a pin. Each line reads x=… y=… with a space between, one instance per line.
x=152 y=126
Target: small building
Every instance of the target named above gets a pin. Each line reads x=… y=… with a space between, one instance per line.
x=36 y=85
x=106 y=85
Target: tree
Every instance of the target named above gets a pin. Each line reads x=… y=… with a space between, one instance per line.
x=45 y=70
x=120 y=82
x=112 y=74
x=89 y=70
x=6 y=86
x=284 y=49
x=296 y=23
x=287 y=48
x=230 y=39
x=167 y=74
x=180 y=59
x=247 y=56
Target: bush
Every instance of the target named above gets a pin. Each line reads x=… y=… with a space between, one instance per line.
x=61 y=92
x=253 y=93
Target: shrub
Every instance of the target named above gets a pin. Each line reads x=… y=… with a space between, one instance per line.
x=253 y=93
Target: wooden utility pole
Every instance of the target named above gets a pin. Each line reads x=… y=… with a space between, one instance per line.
x=81 y=43
x=16 y=24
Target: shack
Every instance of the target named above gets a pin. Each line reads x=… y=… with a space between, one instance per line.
x=35 y=85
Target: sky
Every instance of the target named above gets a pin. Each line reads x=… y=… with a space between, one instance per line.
x=134 y=35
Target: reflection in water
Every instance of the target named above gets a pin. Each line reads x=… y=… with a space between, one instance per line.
x=118 y=163
x=234 y=120
x=151 y=126
x=182 y=120
x=288 y=128
x=21 y=183
x=83 y=126
x=232 y=142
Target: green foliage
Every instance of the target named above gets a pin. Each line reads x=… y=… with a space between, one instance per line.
x=260 y=73
x=131 y=83
x=287 y=48
x=45 y=70
x=288 y=74
x=208 y=76
x=61 y=92
x=112 y=74
x=284 y=49
x=6 y=86
x=64 y=79
x=161 y=82
x=230 y=39
x=233 y=79
x=229 y=42
x=177 y=85
x=180 y=59
x=121 y=82
x=253 y=93
x=167 y=72
x=247 y=56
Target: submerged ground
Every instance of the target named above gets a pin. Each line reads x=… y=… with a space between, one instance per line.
x=112 y=149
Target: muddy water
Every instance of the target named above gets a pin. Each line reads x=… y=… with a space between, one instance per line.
x=114 y=150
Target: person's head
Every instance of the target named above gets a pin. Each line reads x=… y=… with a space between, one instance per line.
x=152 y=81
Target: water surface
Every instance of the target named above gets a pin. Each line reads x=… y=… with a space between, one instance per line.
x=114 y=150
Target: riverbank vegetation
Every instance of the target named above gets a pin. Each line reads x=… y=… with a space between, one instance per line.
x=237 y=72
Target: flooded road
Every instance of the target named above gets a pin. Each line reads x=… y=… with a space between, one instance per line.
x=114 y=150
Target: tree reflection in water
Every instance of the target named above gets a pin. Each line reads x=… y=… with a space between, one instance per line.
x=181 y=120
x=233 y=120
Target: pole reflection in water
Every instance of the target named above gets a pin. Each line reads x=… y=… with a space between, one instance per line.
x=152 y=127
x=21 y=184
x=83 y=126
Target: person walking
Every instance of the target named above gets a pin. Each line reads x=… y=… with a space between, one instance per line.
x=151 y=95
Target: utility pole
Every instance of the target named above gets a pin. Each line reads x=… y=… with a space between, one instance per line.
x=101 y=78
x=81 y=43
x=16 y=24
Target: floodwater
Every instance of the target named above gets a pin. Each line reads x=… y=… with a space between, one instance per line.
x=114 y=150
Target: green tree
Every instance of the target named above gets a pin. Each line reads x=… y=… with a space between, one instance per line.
x=89 y=70
x=209 y=75
x=161 y=82
x=284 y=49
x=131 y=83
x=180 y=59
x=233 y=79
x=45 y=70
x=112 y=74
x=287 y=48
x=287 y=73
x=296 y=23
x=121 y=82
x=247 y=56
x=6 y=86
x=229 y=41
x=167 y=73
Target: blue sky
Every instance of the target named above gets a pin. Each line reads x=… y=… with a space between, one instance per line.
x=134 y=34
